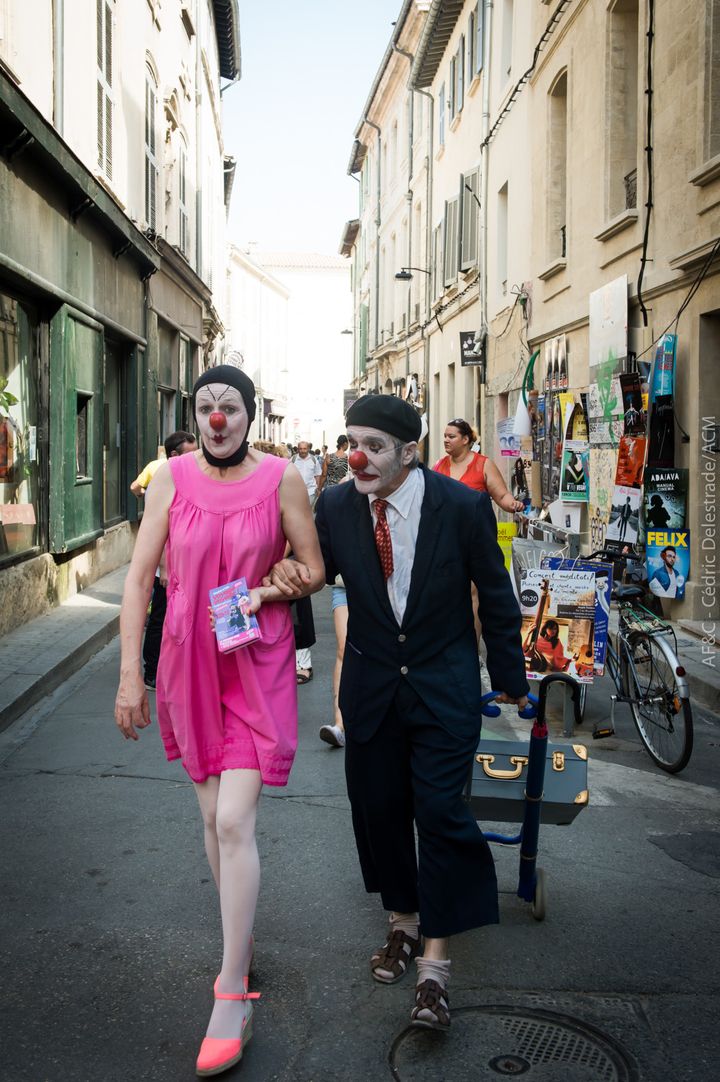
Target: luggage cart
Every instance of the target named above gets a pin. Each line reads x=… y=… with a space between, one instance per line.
x=491 y=789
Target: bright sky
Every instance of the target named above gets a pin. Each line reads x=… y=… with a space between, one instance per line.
x=307 y=69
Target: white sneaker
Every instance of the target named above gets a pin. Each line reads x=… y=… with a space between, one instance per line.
x=333 y=735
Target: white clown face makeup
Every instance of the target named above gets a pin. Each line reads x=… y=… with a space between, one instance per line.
x=387 y=460
x=222 y=418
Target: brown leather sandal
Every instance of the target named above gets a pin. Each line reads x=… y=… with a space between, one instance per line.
x=432 y=1006
x=394 y=957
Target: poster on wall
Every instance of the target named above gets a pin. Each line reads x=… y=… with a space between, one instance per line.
x=608 y=331
x=606 y=419
x=558 y=615
x=631 y=461
x=634 y=413
x=602 y=483
x=665 y=498
x=662 y=379
x=575 y=465
x=603 y=592
x=624 y=515
x=667 y=556
x=509 y=442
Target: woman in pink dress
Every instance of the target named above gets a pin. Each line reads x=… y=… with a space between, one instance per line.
x=223 y=512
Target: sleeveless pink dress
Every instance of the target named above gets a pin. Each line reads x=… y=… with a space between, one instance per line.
x=239 y=710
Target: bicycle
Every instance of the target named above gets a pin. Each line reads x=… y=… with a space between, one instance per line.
x=648 y=677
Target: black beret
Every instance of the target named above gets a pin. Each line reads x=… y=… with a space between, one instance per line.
x=386 y=413
x=233 y=377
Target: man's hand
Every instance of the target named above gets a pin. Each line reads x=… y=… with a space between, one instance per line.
x=521 y=703
x=289 y=577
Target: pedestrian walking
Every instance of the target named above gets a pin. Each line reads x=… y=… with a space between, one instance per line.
x=177 y=443
x=336 y=470
x=408 y=543
x=225 y=512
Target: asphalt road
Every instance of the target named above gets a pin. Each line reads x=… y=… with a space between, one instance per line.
x=110 y=930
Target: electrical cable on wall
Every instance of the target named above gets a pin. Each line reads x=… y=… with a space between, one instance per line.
x=712 y=255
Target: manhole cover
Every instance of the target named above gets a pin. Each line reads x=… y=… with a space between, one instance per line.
x=497 y=1042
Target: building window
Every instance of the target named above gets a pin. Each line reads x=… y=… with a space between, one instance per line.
x=452 y=208
x=460 y=73
x=622 y=107
x=557 y=169
x=184 y=223
x=104 y=86
x=507 y=40
x=711 y=140
x=470 y=208
x=502 y=239
x=437 y=262
x=19 y=480
x=453 y=87
x=479 y=39
x=471 y=46
x=82 y=429
x=113 y=438
x=151 y=162
x=441 y=116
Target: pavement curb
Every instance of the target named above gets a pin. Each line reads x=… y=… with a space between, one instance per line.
x=47 y=682
x=39 y=656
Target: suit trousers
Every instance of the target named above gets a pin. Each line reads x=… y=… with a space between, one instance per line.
x=412 y=773
x=154 y=630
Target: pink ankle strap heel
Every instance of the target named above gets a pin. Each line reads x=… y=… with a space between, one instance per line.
x=218 y=1054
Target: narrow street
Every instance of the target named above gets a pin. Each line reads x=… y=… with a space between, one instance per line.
x=111 y=931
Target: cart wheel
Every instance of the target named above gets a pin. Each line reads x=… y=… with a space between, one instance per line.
x=540 y=896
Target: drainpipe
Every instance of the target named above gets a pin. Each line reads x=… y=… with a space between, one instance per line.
x=59 y=65
x=198 y=160
x=408 y=56
x=372 y=124
x=428 y=243
x=487 y=27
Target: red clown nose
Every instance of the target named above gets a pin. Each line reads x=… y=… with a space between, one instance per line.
x=358 y=460
x=217 y=421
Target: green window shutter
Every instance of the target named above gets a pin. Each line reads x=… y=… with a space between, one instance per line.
x=76 y=430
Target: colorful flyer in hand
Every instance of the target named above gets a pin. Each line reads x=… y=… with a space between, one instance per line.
x=234 y=625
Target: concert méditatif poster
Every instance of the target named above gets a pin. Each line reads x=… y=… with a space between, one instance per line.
x=603 y=592
x=558 y=617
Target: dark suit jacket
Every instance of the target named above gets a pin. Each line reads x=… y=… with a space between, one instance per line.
x=456 y=543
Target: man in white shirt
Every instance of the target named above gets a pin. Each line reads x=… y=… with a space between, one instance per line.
x=309 y=468
x=408 y=543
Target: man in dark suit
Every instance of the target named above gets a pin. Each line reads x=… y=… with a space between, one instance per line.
x=408 y=543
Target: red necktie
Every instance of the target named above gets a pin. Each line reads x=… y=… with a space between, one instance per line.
x=382 y=539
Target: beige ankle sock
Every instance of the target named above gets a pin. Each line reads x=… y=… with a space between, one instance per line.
x=430 y=969
x=405 y=922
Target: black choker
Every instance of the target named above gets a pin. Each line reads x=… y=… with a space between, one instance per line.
x=230 y=460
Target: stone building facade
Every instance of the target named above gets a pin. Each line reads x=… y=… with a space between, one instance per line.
x=588 y=131
x=113 y=192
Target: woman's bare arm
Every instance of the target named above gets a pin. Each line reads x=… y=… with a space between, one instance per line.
x=498 y=489
x=131 y=706
x=305 y=574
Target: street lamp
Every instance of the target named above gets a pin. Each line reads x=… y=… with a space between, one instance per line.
x=404 y=275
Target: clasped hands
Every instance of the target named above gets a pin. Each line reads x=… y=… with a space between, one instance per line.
x=290 y=577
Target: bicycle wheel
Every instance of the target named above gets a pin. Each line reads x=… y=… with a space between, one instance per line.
x=662 y=718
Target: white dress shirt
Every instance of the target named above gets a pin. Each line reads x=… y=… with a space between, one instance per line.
x=403 y=518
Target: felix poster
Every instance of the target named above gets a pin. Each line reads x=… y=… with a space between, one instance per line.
x=667 y=555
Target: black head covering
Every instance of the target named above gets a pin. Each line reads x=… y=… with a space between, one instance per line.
x=388 y=414
x=232 y=377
